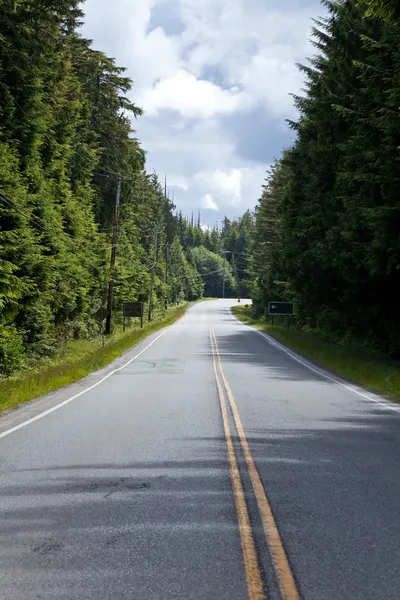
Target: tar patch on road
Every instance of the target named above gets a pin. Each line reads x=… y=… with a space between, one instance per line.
x=47 y=547
x=162 y=366
x=106 y=486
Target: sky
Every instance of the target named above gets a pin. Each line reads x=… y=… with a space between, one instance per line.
x=214 y=78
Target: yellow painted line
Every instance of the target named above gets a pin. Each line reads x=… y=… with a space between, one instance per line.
x=286 y=582
x=253 y=576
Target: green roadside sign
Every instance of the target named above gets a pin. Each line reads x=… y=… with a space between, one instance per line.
x=280 y=308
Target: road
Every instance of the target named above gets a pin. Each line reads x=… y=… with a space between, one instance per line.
x=205 y=464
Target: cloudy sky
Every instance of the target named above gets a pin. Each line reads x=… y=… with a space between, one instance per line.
x=214 y=78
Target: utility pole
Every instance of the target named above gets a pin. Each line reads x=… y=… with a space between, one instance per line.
x=166 y=273
x=153 y=271
x=223 y=283
x=110 y=296
x=167 y=249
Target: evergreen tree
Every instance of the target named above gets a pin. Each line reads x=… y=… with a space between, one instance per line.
x=65 y=139
x=331 y=205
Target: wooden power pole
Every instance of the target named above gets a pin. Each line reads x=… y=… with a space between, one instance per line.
x=153 y=272
x=110 y=296
x=167 y=274
x=223 y=282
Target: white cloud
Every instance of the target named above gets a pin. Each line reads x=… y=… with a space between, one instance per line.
x=159 y=55
x=270 y=79
x=178 y=182
x=207 y=203
x=120 y=28
x=191 y=97
x=253 y=47
x=227 y=59
x=236 y=189
x=229 y=182
x=187 y=150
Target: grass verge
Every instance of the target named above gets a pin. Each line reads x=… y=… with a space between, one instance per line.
x=354 y=362
x=78 y=359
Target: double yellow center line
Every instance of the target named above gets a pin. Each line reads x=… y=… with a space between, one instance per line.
x=280 y=561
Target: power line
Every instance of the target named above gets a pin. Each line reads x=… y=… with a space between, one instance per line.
x=198 y=275
x=14 y=63
x=107 y=173
x=13 y=98
x=9 y=55
x=12 y=204
x=27 y=214
x=101 y=175
x=14 y=30
x=88 y=263
x=15 y=207
x=30 y=215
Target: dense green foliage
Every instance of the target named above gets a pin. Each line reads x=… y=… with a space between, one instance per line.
x=385 y=9
x=328 y=221
x=65 y=135
x=326 y=230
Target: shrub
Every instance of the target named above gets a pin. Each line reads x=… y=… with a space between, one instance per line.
x=12 y=352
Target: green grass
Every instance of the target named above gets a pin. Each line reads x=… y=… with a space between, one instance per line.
x=353 y=361
x=76 y=360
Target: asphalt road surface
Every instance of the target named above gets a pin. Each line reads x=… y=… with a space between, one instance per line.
x=207 y=463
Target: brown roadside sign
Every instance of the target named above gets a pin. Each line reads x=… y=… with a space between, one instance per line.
x=133 y=309
x=101 y=314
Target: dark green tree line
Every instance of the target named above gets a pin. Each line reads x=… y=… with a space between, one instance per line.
x=65 y=137
x=328 y=222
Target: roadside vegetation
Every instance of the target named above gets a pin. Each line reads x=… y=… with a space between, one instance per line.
x=68 y=151
x=328 y=220
x=79 y=358
x=324 y=234
x=353 y=361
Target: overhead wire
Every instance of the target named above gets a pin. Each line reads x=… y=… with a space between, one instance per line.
x=13 y=205
x=106 y=174
x=14 y=100
x=32 y=216
x=13 y=62
x=13 y=28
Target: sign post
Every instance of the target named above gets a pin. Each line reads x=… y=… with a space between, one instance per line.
x=100 y=315
x=133 y=309
x=280 y=309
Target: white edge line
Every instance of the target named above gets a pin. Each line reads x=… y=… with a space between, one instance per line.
x=350 y=388
x=91 y=387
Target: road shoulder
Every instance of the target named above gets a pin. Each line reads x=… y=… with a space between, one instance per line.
x=320 y=369
x=16 y=417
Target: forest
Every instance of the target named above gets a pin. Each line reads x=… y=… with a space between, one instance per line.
x=325 y=233
x=67 y=149
x=328 y=220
